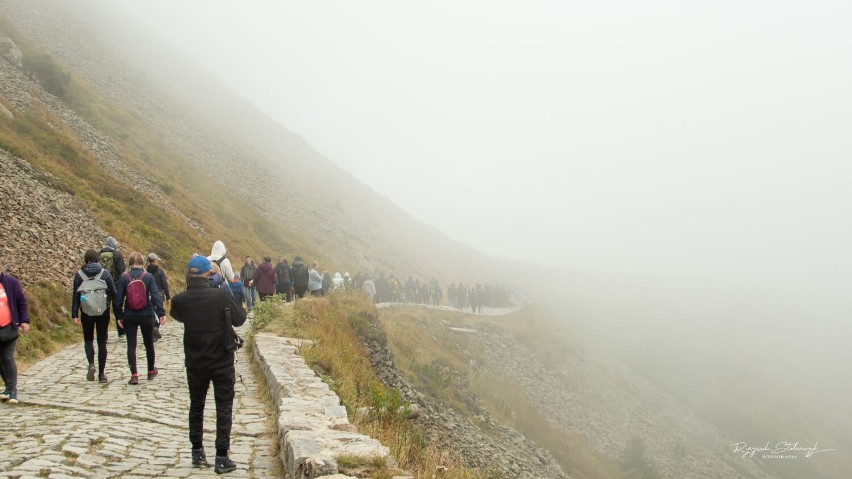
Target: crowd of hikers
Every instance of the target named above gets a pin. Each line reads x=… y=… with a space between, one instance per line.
x=217 y=297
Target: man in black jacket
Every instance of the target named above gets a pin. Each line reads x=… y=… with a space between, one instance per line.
x=202 y=310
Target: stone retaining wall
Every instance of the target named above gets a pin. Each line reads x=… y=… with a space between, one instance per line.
x=313 y=428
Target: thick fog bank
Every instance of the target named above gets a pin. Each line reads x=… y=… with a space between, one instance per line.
x=760 y=364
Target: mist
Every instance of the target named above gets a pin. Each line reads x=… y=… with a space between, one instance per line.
x=675 y=175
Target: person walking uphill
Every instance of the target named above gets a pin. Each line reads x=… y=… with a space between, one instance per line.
x=247 y=275
x=300 y=277
x=112 y=260
x=159 y=275
x=315 y=280
x=265 y=278
x=14 y=318
x=91 y=297
x=218 y=256
x=204 y=312
x=138 y=300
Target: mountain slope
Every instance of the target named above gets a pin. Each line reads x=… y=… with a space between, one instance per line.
x=256 y=160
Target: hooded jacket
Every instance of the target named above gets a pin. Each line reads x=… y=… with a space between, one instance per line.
x=265 y=278
x=155 y=301
x=314 y=280
x=92 y=270
x=160 y=278
x=282 y=270
x=16 y=299
x=201 y=309
x=111 y=246
x=300 y=273
x=218 y=252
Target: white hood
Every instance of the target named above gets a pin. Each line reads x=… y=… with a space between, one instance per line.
x=218 y=251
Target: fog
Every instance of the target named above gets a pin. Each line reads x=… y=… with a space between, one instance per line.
x=655 y=138
x=683 y=170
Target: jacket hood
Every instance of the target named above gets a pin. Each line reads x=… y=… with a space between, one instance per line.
x=218 y=250
x=337 y=276
x=92 y=269
x=298 y=262
x=111 y=242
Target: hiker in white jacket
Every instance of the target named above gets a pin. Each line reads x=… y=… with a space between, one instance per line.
x=216 y=254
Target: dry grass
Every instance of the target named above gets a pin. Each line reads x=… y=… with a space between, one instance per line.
x=336 y=325
x=452 y=368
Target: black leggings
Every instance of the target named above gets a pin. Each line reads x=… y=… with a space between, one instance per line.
x=89 y=324
x=147 y=326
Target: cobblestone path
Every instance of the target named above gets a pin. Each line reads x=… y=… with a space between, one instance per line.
x=66 y=426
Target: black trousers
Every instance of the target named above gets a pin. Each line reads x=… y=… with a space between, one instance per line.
x=144 y=324
x=90 y=325
x=223 y=380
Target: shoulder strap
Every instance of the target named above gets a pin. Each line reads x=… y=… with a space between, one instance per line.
x=98 y=276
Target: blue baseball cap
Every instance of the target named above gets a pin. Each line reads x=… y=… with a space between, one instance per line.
x=198 y=265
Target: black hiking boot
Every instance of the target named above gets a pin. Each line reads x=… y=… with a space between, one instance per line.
x=198 y=457
x=224 y=464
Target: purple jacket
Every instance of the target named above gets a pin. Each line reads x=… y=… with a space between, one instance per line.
x=17 y=300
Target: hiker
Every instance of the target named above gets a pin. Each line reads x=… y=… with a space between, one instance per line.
x=369 y=288
x=300 y=277
x=282 y=270
x=112 y=260
x=218 y=255
x=247 y=274
x=337 y=283
x=326 y=282
x=204 y=313
x=92 y=294
x=265 y=278
x=138 y=300
x=451 y=295
x=237 y=289
x=159 y=275
x=14 y=319
x=216 y=279
x=315 y=280
x=347 y=282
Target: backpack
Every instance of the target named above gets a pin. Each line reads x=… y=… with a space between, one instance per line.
x=137 y=293
x=93 y=294
x=107 y=261
x=300 y=276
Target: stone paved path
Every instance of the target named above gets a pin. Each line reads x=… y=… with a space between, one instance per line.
x=65 y=426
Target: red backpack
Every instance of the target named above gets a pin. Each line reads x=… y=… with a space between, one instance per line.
x=137 y=293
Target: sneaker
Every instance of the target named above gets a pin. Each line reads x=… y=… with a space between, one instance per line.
x=90 y=376
x=134 y=379
x=157 y=334
x=224 y=464
x=152 y=374
x=102 y=379
x=5 y=394
x=13 y=399
x=198 y=457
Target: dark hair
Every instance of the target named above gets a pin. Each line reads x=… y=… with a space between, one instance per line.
x=267 y=259
x=91 y=256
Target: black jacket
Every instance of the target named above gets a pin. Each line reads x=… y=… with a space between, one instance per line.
x=160 y=277
x=282 y=269
x=300 y=274
x=201 y=309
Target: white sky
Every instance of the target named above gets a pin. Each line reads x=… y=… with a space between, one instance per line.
x=660 y=137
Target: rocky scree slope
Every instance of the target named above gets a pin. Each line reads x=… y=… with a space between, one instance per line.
x=487 y=446
x=45 y=223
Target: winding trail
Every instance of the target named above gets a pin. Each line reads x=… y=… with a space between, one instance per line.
x=65 y=426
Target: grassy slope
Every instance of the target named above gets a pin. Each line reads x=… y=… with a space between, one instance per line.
x=135 y=219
